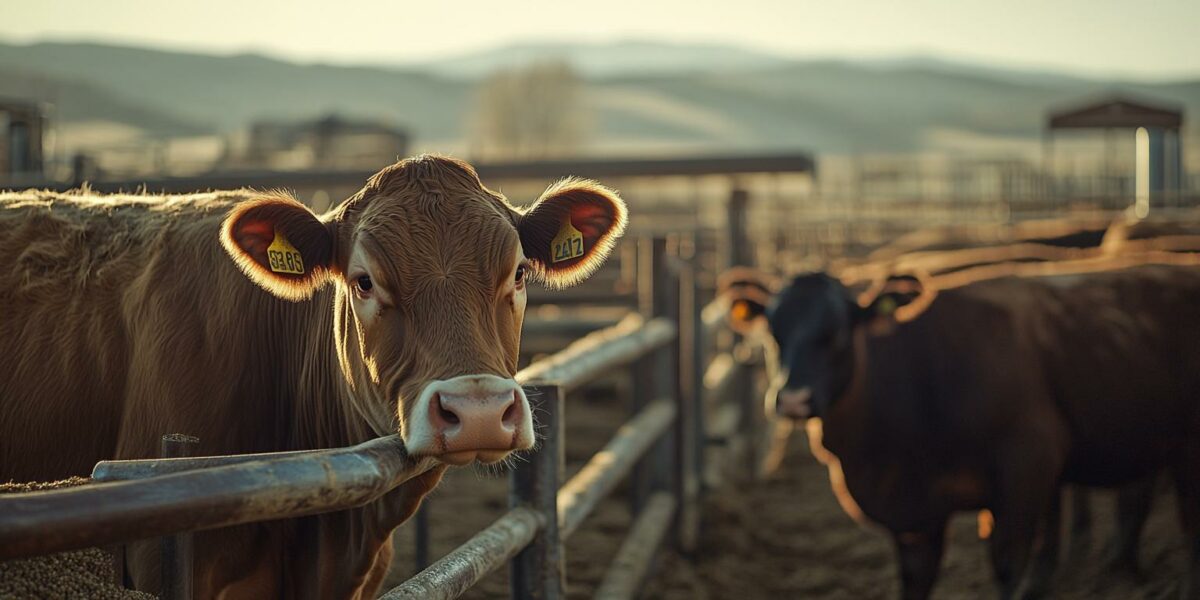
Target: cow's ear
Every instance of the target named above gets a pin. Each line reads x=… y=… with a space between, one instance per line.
x=897 y=291
x=569 y=231
x=746 y=291
x=281 y=245
x=746 y=314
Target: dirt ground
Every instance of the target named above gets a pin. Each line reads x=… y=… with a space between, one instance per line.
x=782 y=538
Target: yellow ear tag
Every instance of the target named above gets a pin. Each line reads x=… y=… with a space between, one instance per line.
x=284 y=257
x=568 y=243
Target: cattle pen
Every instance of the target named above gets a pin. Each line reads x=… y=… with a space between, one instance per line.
x=692 y=411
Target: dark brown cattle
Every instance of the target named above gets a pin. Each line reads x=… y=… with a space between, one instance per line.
x=258 y=326
x=991 y=398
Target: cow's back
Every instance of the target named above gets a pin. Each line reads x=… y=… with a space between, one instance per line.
x=1124 y=368
x=1113 y=353
x=85 y=283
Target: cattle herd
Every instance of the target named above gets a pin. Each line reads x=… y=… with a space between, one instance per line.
x=930 y=382
x=979 y=389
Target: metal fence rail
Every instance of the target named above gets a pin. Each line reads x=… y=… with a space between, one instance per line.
x=268 y=488
x=629 y=569
x=599 y=352
x=579 y=496
x=483 y=553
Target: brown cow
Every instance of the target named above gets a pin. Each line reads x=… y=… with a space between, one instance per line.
x=991 y=398
x=256 y=325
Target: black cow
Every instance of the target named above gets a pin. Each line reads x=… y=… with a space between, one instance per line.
x=995 y=395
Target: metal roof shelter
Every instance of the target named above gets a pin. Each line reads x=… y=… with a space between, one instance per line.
x=1158 y=146
x=1116 y=113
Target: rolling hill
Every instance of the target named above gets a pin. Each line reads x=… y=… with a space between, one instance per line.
x=640 y=96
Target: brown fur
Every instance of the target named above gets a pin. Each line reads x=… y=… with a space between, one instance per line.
x=125 y=318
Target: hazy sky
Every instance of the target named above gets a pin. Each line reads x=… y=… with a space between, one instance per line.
x=1142 y=38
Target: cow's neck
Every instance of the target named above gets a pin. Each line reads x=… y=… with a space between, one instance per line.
x=324 y=417
x=323 y=412
x=842 y=422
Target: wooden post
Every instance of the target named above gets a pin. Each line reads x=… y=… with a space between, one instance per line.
x=176 y=554
x=539 y=571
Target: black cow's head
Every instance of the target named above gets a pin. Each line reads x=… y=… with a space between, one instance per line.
x=808 y=329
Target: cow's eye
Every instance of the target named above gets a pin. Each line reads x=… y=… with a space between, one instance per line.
x=363 y=285
x=519 y=278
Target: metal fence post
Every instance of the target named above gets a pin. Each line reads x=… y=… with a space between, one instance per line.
x=688 y=431
x=665 y=361
x=741 y=254
x=176 y=550
x=421 y=538
x=642 y=375
x=539 y=571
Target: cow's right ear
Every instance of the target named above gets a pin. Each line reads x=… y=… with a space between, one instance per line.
x=746 y=313
x=747 y=291
x=281 y=245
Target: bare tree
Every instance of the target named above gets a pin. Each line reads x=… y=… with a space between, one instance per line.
x=530 y=112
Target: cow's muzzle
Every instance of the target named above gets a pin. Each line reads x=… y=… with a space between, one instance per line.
x=472 y=417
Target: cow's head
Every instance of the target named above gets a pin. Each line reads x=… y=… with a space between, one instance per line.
x=429 y=270
x=808 y=331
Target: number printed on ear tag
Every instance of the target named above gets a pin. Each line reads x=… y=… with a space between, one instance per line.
x=284 y=257
x=567 y=244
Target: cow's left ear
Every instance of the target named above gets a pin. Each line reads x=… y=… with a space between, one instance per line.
x=898 y=291
x=569 y=231
x=280 y=245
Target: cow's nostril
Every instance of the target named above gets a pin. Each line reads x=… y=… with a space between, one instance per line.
x=512 y=414
x=446 y=414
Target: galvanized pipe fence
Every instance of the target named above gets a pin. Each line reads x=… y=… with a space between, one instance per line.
x=679 y=441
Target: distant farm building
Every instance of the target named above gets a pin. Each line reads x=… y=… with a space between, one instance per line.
x=332 y=142
x=21 y=127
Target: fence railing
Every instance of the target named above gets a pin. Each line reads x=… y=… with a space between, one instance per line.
x=662 y=449
x=191 y=495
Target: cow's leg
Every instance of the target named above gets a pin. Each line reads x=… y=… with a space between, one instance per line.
x=1187 y=482
x=920 y=556
x=1133 y=508
x=1045 y=562
x=1028 y=471
x=1011 y=547
x=1080 y=545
